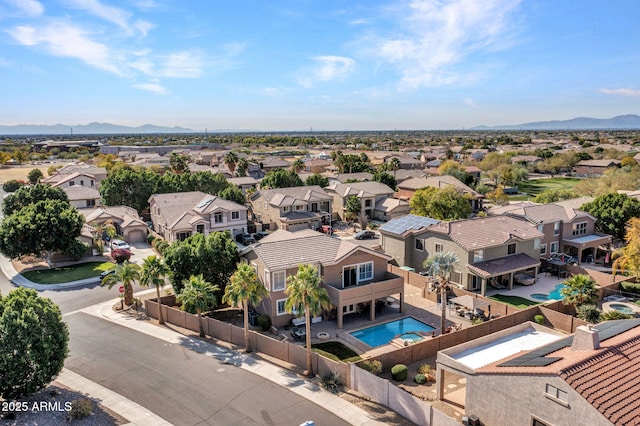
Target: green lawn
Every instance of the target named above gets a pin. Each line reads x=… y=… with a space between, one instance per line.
x=515 y=301
x=336 y=351
x=68 y=273
x=531 y=188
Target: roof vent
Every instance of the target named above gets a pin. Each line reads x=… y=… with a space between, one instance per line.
x=585 y=339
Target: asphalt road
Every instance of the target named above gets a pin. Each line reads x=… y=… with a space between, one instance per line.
x=181 y=383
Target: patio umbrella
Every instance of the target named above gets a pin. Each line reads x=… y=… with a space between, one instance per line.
x=469 y=302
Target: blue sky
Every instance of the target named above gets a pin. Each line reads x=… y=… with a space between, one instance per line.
x=323 y=64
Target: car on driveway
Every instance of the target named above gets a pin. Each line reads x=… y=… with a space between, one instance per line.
x=107 y=273
x=364 y=235
x=260 y=235
x=245 y=239
x=119 y=244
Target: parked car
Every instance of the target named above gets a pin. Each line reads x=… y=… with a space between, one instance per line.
x=326 y=229
x=107 y=272
x=246 y=239
x=363 y=235
x=119 y=244
x=260 y=235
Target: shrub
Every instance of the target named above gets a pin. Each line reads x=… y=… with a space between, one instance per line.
x=121 y=255
x=589 y=313
x=373 y=366
x=80 y=408
x=161 y=246
x=420 y=379
x=12 y=185
x=539 y=319
x=76 y=250
x=150 y=239
x=632 y=288
x=264 y=322
x=399 y=372
x=332 y=382
x=424 y=369
x=613 y=315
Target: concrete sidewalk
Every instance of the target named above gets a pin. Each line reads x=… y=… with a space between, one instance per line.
x=18 y=279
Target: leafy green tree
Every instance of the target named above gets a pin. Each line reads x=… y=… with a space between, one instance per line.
x=178 y=163
x=317 y=179
x=439 y=267
x=304 y=294
x=230 y=160
x=12 y=185
x=129 y=187
x=553 y=195
x=579 y=290
x=281 y=178
x=455 y=169
x=154 y=273
x=613 y=211
x=126 y=274
x=627 y=258
x=40 y=229
x=34 y=176
x=214 y=256
x=233 y=193
x=30 y=195
x=245 y=290
x=352 y=207
x=197 y=296
x=33 y=343
x=20 y=155
x=385 y=178
x=441 y=203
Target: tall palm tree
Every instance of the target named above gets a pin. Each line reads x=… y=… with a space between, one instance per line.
x=394 y=164
x=154 y=272
x=230 y=160
x=127 y=274
x=197 y=296
x=100 y=229
x=440 y=266
x=242 y=167
x=244 y=289
x=298 y=165
x=304 y=293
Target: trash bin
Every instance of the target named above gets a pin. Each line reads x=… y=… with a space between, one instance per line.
x=253 y=318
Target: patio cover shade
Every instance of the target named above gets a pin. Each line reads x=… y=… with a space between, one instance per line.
x=469 y=302
x=503 y=265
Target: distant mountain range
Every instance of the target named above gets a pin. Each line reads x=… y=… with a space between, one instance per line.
x=87 y=129
x=629 y=121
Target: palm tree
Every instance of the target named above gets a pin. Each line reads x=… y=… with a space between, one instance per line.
x=244 y=289
x=440 y=266
x=242 y=166
x=127 y=274
x=394 y=164
x=304 y=293
x=579 y=290
x=198 y=295
x=230 y=160
x=154 y=272
x=100 y=229
x=298 y=165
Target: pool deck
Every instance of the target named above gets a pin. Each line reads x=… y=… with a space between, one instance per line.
x=544 y=284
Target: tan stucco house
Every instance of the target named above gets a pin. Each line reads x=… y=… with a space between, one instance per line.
x=355 y=277
x=176 y=216
x=372 y=195
x=126 y=220
x=407 y=188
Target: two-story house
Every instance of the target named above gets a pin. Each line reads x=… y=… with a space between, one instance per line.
x=373 y=198
x=490 y=250
x=293 y=209
x=354 y=276
x=566 y=229
x=176 y=216
x=407 y=188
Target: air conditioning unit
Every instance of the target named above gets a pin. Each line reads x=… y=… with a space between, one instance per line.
x=471 y=420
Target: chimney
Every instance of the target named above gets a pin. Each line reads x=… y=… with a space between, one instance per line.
x=585 y=339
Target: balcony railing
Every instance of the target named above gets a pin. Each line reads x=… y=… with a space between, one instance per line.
x=392 y=284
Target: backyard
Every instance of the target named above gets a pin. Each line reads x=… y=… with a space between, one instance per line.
x=515 y=301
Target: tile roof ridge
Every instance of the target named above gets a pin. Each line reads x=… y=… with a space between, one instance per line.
x=597 y=355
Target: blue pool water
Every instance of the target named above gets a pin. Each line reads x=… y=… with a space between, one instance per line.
x=382 y=334
x=553 y=294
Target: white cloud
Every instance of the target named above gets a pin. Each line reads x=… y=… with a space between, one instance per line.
x=621 y=91
x=440 y=35
x=469 y=102
x=112 y=14
x=28 y=7
x=66 y=40
x=327 y=68
x=151 y=87
x=185 y=64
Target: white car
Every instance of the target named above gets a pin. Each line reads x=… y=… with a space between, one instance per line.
x=119 y=244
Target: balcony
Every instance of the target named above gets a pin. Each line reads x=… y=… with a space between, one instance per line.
x=392 y=284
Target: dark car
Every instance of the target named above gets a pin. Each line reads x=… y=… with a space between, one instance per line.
x=260 y=235
x=106 y=273
x=247 y=239
x=363 y=235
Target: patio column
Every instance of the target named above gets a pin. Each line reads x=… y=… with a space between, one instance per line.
x=439 y=383
x=483 y=286
x=511 y=281
x=401 y=302
x=340 y=316
x=372 y=310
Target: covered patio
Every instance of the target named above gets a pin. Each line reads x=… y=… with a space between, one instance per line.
x=587 y=246
x=497 y=271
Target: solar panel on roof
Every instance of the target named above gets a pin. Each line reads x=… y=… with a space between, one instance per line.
x=204 y=202
x=537 y=357
x=404 y=223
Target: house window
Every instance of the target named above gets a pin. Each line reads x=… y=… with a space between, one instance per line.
x=367 y=203
x=91 y=203
x=92 y=183
x=553 y=247
x=478 y=256
x=349 y=276
x=365 y=271
x=217 y=217
x=536 y=244
x=235 y=215
x=280 y=310
x=536 y=422
x=511 y=248
x=555 y=393
x=267 y=281
x=285 y=209
x=298 y=208
x=476 y=282
x=438 y=248
x=556 y=228
x=81 y=183
x=541 y=228
x=200 y=229
x=279 y=280
x=264 y=206
x=419 y=245
x=580 y=228
x=183 y=236
x=543 y=249
x=314 y=207
x=72 y=182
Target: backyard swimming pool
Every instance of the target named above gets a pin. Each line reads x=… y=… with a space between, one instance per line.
x=382 y=334
x=553 y=294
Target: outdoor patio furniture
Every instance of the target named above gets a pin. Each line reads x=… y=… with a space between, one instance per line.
x=493 y=282
x=299 y=334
